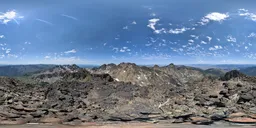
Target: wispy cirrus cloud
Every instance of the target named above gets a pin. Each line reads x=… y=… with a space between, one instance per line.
x=70 y=17
x=44 y=21
x=70 y=51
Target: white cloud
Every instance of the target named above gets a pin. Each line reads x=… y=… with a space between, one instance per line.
x=155 y=56
x=2 y=56
x=194 y=36
x=209 y=38
x=122 y=50
x=191 y=41
x=125 y=49
x=252 y=35
x=247 y=14
x=134 y=22
x=152 y=23
x=214 y=16
x=12 y=55
x=3 y=45
x=148 y=44
x=47 y=57
x=160 y=31
x=231 y=39
x=7 y=51
x=178 y=31
x=27 y=43
x=125 y=27
x=70 y=17
x=44 y=21
x=70 y=51
x=216 y=47
x=2 y=36
x=9 y=16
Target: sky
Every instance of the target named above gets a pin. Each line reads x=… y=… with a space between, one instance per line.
x=137 y=31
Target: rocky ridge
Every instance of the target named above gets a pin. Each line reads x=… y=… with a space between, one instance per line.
x=70 y=99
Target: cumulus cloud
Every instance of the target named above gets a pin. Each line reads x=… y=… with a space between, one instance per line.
x=191 y=41
x=214 y=16
x=231 y=39
x=216 y=47
x=203 y=42
x=209 y=38
x=2 y=36
x=252 y=35
x=70 y=51
x=125 y=49
x=152 y=23
x=9 y=16
x=178 y=31
x=194 y=36
x=247 y=14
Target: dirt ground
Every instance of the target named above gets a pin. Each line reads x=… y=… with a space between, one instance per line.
x=125 y=125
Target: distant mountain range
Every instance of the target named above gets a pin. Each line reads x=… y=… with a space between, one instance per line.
x=19 y=70
x=210 y=70
x=226 y=67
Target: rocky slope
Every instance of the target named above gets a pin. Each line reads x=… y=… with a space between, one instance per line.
x=144 y=76
x=70 y=99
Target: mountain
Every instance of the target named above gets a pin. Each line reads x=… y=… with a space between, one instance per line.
x=214 y=72
x=74 y=95
x=143 y=76
x=19 y=70
x=251 y=71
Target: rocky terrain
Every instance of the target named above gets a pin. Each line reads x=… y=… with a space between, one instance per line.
x=127 y=93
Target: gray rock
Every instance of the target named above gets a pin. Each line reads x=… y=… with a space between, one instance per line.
x=245 y=97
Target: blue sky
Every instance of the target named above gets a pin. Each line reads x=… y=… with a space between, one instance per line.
x=113 y=31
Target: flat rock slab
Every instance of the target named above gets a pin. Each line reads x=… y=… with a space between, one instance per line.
x=122 y=125
x=242 y=120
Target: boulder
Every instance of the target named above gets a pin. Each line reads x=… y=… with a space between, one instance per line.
x=245 y=97
x=238 y=114
x=201 y=121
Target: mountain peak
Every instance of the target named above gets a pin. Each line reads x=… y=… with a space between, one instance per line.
x=233 y=74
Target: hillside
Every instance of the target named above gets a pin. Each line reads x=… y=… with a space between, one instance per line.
x=19 y=70
x=251 y=71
